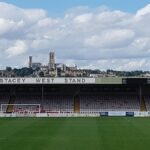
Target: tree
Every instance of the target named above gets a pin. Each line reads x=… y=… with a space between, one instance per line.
x=8 y=69
x=41 y=74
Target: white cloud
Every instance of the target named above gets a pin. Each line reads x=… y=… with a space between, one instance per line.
x=143 y=11
x=18 y=48
x=111 y=39
x=9 y=25
x=94 y=38
x=47 y=22
x=83 y=18
x=9 y=11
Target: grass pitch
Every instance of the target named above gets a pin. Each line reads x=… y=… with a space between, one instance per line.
x=74 y=133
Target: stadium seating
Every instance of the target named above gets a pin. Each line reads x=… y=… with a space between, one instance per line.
x=99 y=103
x=58 y=104
x=4 y=100
x=31 y=100
x=51 y=104
x=147 y=102
x=65 y=103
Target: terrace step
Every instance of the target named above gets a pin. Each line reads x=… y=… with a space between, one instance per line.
x=76 y=104
x=10 y=107
x=143 y=106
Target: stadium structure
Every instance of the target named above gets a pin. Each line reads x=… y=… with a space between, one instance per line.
x=56 y=97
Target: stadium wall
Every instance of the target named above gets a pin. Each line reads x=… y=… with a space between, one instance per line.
x=102 y=114
x=108 y=80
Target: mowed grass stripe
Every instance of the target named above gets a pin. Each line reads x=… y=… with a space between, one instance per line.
x=124 y=133
x=29 y=133
x=74 y=133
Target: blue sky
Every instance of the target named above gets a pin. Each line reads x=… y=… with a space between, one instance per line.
x=58 y=7
x=91 y=37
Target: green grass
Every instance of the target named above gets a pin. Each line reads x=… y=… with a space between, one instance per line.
x=74 y=133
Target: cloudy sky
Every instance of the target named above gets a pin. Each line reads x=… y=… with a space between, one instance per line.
x=109 y=34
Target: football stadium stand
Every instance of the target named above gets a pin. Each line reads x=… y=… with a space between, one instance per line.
x=84 y=96
x=99 y=103
x=66 y=104
x=57 y=103
x=4 y=100
x=50 y=104
x=147 y=102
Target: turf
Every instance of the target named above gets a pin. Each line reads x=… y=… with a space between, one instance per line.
x=74 y=133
